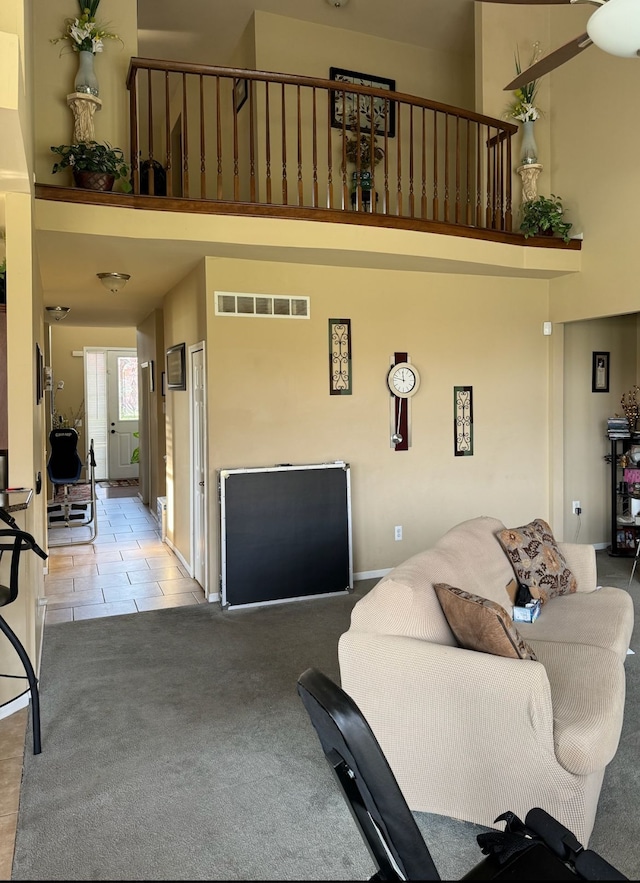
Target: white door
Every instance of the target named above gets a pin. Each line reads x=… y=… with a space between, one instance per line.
x=198 y=459
x=122 y=412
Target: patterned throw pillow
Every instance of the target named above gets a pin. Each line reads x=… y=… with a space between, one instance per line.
x=537 y=560
x=481 y=624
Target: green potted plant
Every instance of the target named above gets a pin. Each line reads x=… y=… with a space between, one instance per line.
x=95 y=166
x=544 y=216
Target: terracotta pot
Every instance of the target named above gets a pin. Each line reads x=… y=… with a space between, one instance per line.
x=93 y=180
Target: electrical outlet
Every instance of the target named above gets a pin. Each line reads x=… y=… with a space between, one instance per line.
x=576 y=508
x=398 y=532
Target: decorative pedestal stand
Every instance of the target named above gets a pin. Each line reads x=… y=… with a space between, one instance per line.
x=529 y=173
x=84 y=107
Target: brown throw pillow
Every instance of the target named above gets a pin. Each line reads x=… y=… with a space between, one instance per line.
x=537 y=560
x=481 y=624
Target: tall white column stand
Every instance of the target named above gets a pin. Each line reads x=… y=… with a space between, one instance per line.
x=529 y=173
x=84 y=107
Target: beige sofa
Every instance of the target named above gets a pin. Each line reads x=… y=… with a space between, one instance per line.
x=470 y=734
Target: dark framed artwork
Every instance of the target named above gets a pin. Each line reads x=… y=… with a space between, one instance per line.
x=240 y=92
x=163 y=385
x=39 y=374
x=176 y=367
x=346 y=105
x=340 y=357
x=600 y=372
x=463 y=421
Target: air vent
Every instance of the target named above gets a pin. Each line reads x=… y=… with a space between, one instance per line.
x=272 y=306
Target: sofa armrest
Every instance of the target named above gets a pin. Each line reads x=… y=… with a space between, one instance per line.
x=581 y=561
x=417 y=695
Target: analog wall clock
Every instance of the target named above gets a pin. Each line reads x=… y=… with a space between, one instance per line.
x=403 y=380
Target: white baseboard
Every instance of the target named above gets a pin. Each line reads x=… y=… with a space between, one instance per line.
x=180 y=557
x=371 y=574
x=15 y=705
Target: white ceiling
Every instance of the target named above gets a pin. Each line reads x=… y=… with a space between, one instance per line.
x=206 y=31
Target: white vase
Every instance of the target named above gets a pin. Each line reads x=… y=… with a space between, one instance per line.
x=529 y=149
x=86 y=80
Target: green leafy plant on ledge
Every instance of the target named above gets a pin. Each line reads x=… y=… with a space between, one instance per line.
x=544 y=216
x=91 y=156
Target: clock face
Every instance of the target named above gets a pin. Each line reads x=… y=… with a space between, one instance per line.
x=403 y=380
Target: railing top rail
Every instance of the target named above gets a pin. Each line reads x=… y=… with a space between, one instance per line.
x=156 y=64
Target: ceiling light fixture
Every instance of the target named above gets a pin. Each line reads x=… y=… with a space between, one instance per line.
x=337 y=3
x=615 y=28
x=57 y=313
x=113 y=282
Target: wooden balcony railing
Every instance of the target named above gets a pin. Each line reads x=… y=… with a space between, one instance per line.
x=254 y=138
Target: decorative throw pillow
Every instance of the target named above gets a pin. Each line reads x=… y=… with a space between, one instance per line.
x=481 y=624
x=537 y=560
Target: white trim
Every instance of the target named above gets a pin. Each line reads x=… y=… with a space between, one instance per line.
x=372 y=574
x=284 y=600
x=14 y=705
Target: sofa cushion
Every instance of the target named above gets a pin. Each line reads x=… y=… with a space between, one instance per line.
x=537 y=560
x=588 y=692
x=603 y=618
x=478 y=562
x=481 y=624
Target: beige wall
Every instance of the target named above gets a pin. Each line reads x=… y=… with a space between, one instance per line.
x=184 y=322
x=54 y=77
x=458 y=330
x=587 y=474
x=291 y=46
x=67 y=339
x=150 y=343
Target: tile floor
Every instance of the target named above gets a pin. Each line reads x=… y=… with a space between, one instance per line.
x=126 y=569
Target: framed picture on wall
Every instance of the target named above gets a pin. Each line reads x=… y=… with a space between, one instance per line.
x=346 y=105
x=39 y=374
x=600 y=372
x=240 y=92
x=176 y=368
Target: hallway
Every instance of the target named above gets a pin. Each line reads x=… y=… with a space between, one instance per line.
x=126 y=569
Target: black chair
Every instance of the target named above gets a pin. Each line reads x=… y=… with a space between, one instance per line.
x=17 y=541
x=538 y=849
x=64 y=469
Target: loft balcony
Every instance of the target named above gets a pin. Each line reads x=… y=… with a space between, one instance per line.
x=230 y=141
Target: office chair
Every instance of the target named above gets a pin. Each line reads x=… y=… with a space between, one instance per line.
x=64 y=469
x=17 y=541
x=538 y=849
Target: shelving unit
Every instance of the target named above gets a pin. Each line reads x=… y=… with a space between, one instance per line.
x=625 y=499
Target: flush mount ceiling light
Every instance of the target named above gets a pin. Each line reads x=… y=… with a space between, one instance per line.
x=337 y=3
x=113 y=281
x=57 y=313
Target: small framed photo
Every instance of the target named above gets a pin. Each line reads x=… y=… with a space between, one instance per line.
x=346 y=106
x=600 y=372
x=39 y=374
x=240 y=92
x=163 y=386
x=176 y=367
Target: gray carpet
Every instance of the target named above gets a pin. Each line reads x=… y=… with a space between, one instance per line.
x=175 y=747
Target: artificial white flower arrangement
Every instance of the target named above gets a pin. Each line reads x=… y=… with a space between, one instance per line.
x=524 y=108
x=84 y=33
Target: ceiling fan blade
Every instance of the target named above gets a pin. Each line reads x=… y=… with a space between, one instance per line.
x=549 y=62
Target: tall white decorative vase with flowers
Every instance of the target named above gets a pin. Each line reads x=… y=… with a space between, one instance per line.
x=524 y=109
x=86 y=37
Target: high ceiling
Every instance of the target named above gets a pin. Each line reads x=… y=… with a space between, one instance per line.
x=211 y=28
x=206 y=31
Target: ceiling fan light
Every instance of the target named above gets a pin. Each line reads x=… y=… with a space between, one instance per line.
x=114 y=282
x=615 y=28
x=57 y=313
